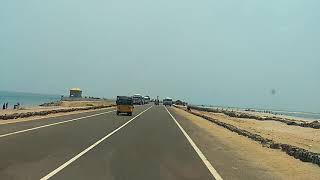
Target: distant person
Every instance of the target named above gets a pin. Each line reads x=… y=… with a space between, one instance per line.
x=4 y=106
x=7 y=105
x=16 y=106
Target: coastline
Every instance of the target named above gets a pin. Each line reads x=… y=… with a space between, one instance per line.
x=26 y=99
x=296 y=115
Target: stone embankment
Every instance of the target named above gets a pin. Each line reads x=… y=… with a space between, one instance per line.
x=237 y=114
x=297 y=152
x=46 y=112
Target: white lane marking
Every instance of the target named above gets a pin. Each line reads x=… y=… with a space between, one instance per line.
x=214 y=172
x=48 y=176
x=53 y=124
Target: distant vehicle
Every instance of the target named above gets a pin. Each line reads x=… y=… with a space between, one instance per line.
x=138 y=99
x=156 y=102
x=124 y=105
x=167 y=101
x=146 y=99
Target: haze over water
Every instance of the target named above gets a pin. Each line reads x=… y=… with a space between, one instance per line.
x=26 y=99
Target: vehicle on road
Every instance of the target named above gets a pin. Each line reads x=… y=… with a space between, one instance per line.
x=156 y=101
x=167 y=101
x=124 y=105
x=138 y=99
x=146 y=99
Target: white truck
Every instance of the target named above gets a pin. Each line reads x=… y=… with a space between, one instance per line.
x=167 y=101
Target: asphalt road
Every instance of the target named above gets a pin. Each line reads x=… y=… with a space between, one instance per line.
x=101 y=145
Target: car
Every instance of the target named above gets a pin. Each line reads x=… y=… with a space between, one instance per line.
x=138 y=99
x=146 y=99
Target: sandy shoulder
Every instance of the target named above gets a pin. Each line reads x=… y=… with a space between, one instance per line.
x=47 y=116
x=60 y=105
x=306 y=138
x=63 y=105
x=271 y=160
x=30 y=109
x=85 y=103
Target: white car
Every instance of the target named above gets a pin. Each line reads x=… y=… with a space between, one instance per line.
x=146 y=99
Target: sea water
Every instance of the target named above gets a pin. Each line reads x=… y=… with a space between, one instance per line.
x=25 y=99
x=304 y=115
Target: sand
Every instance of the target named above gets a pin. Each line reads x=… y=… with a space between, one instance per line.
x=63 y=105
x=85 y=103
x=306 y=138
x=248 y=151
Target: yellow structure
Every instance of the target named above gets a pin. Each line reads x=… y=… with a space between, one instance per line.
x=75 y=93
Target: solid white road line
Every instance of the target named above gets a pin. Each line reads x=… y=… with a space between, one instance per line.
x=214 y=172
x=53 y=124
x=89 y=148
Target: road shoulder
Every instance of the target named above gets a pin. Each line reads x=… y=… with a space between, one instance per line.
x=236 y=157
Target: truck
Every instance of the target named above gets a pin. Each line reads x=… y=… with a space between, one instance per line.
x=138 y=99
x=167 y=101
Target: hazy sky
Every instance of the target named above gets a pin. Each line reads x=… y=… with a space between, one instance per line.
x=226 y=52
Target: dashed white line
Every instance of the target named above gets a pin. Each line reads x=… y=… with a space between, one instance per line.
x=88 y=149
x=53 y=124
x=213 y=171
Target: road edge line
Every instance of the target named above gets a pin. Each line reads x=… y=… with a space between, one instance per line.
x=53 y=124
x=212 y=170
x=64 y=165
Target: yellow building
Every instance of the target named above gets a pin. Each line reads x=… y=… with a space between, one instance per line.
x=75 y=93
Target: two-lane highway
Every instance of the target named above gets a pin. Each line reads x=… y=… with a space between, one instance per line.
x=101 y=145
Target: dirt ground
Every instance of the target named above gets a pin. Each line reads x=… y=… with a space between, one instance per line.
x=250 y=153
x=307 y=138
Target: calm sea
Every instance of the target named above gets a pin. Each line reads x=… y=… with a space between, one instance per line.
x=25 y=99
x=305 y=115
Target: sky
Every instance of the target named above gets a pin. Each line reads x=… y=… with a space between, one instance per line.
x=230 y=53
